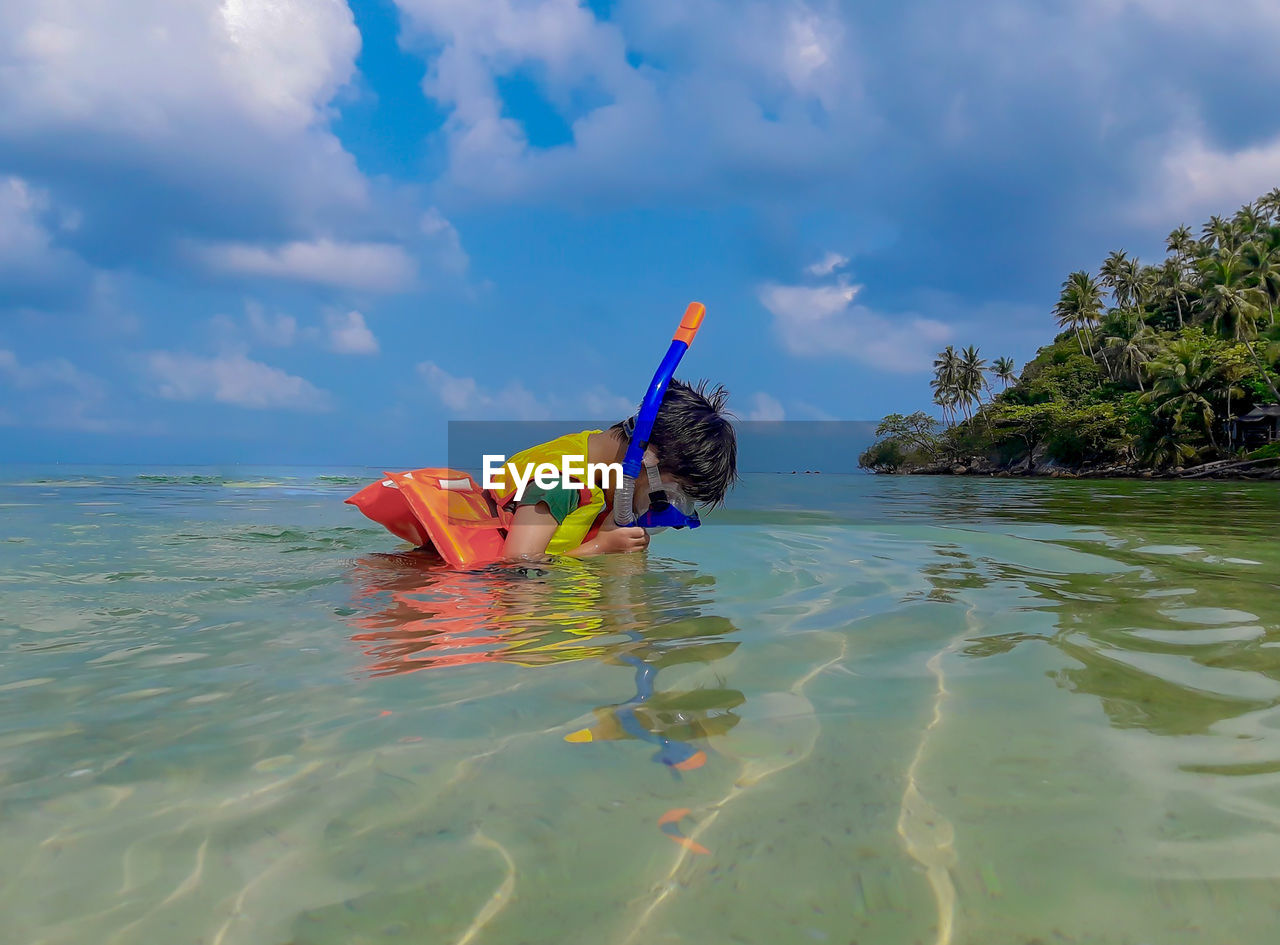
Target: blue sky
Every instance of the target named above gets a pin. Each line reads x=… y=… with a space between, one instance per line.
x=314 y=232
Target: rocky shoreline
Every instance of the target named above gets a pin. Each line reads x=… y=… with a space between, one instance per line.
x=1268 y=468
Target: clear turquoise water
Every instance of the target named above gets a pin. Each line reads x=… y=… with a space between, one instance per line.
x=931 y=710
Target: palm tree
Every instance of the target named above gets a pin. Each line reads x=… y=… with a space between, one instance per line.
x=1219 y=234
x=972 y=379
x=1247 y=219
x=1233 y=307
x=1226 y=301
x=1139 y=282
x=1184 y=383
x=945 y=383
x=1111 y=275
x=1080 y=306
x=1004 y=368
x=1263 y=261
x=1172 y=280
x=1180 y=243
x=1132 y=342
x=1270 y=204
x=1167 y=451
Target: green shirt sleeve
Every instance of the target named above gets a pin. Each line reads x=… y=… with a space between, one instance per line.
x=559 y=500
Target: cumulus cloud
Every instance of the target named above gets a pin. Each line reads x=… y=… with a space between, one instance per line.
x=56 y=394
x=764 y=406
x=232 y=379
x=1006 y=105
x=756 y=102
x=32 y=267
x=348 y=334
x=445 y=240
x=381 y=267
x=468 y=398
x=270 y=328
x=56 y=372
x=206 y=116
x=1196 y=179
x=823 y=320
x=828 y=264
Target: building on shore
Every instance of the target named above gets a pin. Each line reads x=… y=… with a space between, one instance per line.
x=1258 y=427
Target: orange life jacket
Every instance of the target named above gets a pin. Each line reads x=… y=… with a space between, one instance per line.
x=466 y=524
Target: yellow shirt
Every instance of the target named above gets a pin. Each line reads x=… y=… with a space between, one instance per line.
x=570 y=533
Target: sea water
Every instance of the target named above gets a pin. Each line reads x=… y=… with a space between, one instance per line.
x=847 y=709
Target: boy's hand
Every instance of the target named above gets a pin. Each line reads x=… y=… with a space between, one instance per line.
x=617 y=540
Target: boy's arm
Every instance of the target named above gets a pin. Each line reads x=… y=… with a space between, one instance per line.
x=533 y=525
x=530 y=532
x=612 y=540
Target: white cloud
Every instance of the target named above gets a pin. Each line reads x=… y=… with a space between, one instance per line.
x=217 y=108
x=57 y=372
x=232 y=379
x=1247 y=16
x=275 y=329
x=287 y=56
x=21 y=233
x=348 y=334
x=340 y=333
x=810 y=412
x=58 y=395
x=29 y=259
x=765 y=407
x=1196 y=179
x=811 y=44
x=451 y=256
x=828 y=264
x=467 y=397
x=598 y=402
x=712 y=112
x=816 y=321
x=382 y=267
x=807 y=304
x=137 y=64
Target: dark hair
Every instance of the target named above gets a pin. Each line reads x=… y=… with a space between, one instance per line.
x=695 y=441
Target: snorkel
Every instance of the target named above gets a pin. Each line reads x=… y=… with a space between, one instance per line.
x=624 y=499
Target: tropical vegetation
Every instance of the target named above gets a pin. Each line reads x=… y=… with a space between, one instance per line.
x=1151 y=364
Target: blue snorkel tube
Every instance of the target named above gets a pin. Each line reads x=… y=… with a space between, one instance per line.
x=624 y=500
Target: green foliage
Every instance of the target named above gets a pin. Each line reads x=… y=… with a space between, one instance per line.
x=1256 y=389
x=1087 y=435
x=1270 y=451
x=1070 y=435
x=1058 y=372
x=1167 y=450
x=918 y=431
x=909 y=439
x=883 y=456
x=1152 y=363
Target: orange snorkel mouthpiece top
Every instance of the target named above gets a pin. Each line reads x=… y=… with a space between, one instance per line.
x=690 y=323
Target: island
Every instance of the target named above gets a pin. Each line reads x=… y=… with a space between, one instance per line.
x=1164 y=370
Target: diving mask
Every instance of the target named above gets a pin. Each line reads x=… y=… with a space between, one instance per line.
x=668 y=506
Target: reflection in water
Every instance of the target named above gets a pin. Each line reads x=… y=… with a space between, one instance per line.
x=414 y=615
x=1178 y=645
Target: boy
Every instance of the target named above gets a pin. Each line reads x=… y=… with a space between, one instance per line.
x=693 y=446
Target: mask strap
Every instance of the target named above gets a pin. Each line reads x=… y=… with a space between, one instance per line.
x=655 y=478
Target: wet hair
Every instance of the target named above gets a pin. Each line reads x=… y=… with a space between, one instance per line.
x=695 y=440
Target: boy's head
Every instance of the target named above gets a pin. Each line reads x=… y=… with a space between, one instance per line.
x=694 y=440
